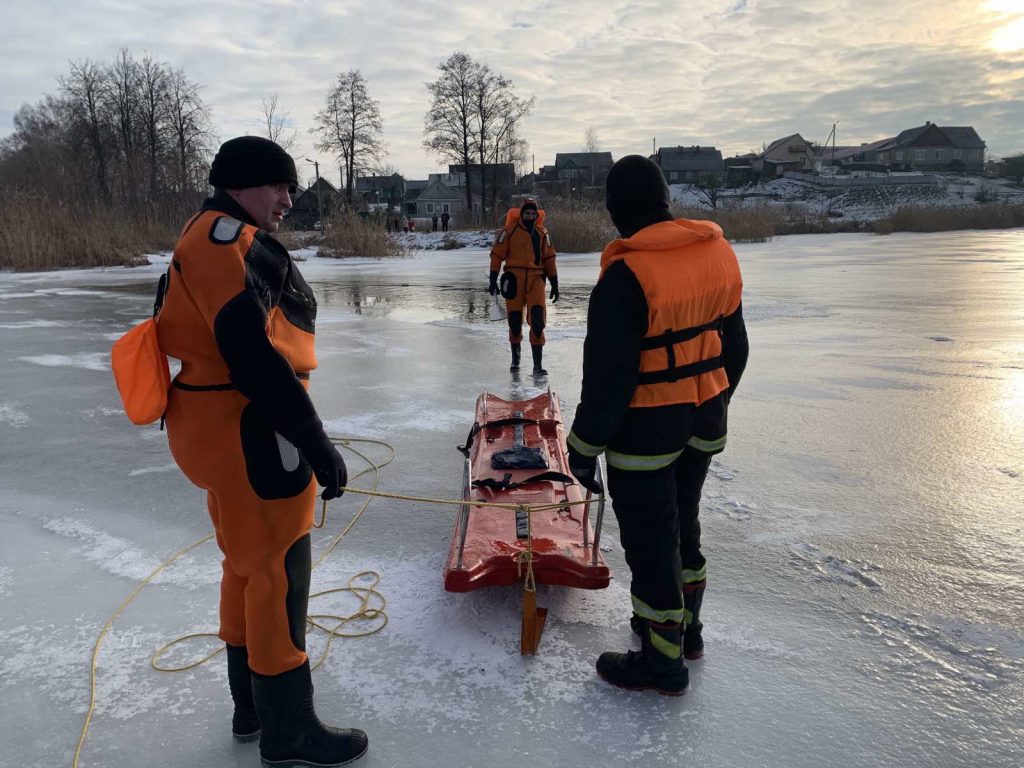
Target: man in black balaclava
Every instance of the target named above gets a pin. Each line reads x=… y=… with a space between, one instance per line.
x=525 y=247
x=665 y=349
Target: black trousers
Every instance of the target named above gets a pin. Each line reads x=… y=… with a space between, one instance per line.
x=660 y=530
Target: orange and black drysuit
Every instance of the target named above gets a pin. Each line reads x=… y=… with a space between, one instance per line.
x=665 y=348
x=529 y=260
x=240 y=423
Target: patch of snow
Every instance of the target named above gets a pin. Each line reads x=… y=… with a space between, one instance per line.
x=91 y=361
x=122 y=558
x=11 y=413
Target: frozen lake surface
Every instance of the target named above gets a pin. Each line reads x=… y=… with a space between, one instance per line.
x=863 y=528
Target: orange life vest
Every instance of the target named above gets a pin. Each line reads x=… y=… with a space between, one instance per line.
x=691 y=279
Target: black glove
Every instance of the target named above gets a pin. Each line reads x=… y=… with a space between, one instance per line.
x=554 y=289
x=327 y=465
x=492 y=287
x=584 y=469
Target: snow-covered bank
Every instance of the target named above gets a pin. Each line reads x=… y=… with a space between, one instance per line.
x=857 y=204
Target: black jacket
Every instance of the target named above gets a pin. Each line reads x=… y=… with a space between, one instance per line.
x=616 y=325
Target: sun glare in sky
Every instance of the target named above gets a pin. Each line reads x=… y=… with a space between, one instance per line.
x=1010 y=36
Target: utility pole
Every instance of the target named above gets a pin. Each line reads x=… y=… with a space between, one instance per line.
x=654 y=145
x=832 y=135
x=319 y=198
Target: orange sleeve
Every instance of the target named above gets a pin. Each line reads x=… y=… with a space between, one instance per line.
x=499 y=251
x=549 y=257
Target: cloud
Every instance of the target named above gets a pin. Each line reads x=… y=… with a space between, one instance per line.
x=734 y=73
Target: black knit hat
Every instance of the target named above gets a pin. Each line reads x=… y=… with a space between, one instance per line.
x=636 y=194
x=252 y=161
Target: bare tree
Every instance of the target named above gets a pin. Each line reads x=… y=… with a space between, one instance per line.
x=123 y=100
x=448 y=126
x=153 y=76
x=83 y=89
x=472 y=117
x=515 y=150
x=349 y=125
x=277 y=124
x=590 y=142
x=189 y=120
x=497 y=112
x=710 y=186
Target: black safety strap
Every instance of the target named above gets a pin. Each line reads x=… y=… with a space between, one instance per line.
x=506 y=484
x=510 y=422
x=202 y=387
x=682 y=371
x=161 y=292
x=670 y=338
x=302 y=376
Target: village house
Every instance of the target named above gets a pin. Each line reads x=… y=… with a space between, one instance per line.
x=791 y=153
x=689 y=165
x=306 y=206
x=382 y=192
x=438 y=198
x=928 y=147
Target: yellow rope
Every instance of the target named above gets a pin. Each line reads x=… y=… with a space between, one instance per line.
x=341 y=620
x=366 y=594
x=365 y=612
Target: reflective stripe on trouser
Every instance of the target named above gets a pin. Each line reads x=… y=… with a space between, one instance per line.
x=645 y=507
x=666 y=638
x=530 y=302
x=258 y=532
x=636 y=463
x=707 y=446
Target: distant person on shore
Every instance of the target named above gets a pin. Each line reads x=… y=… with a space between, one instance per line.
x=242 y=427
x=445 y=216
x=524 y=246
x=433 y=222
x=665 y=348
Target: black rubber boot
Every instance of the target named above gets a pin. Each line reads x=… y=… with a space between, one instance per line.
x=245 y=725
x=292 y=735
x=693 y=643
x=538 y=354
x=516 y=354
x=650 y=668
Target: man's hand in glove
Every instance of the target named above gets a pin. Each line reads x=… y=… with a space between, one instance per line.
x=492 y=287
x=584 y=469
x=554 y=289
x=328 y=466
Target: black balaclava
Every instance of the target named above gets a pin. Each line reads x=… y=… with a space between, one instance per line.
x=252 y=161
x=636 y=195
x=528 y=204
x=531 y=226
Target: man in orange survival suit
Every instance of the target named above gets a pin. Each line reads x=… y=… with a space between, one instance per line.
x=241 y=426
x=665 y=348
x=525 y=247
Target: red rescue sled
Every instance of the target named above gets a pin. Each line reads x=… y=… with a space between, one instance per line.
x=515 y=455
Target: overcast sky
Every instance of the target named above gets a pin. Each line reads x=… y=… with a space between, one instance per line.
x=732 y=73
